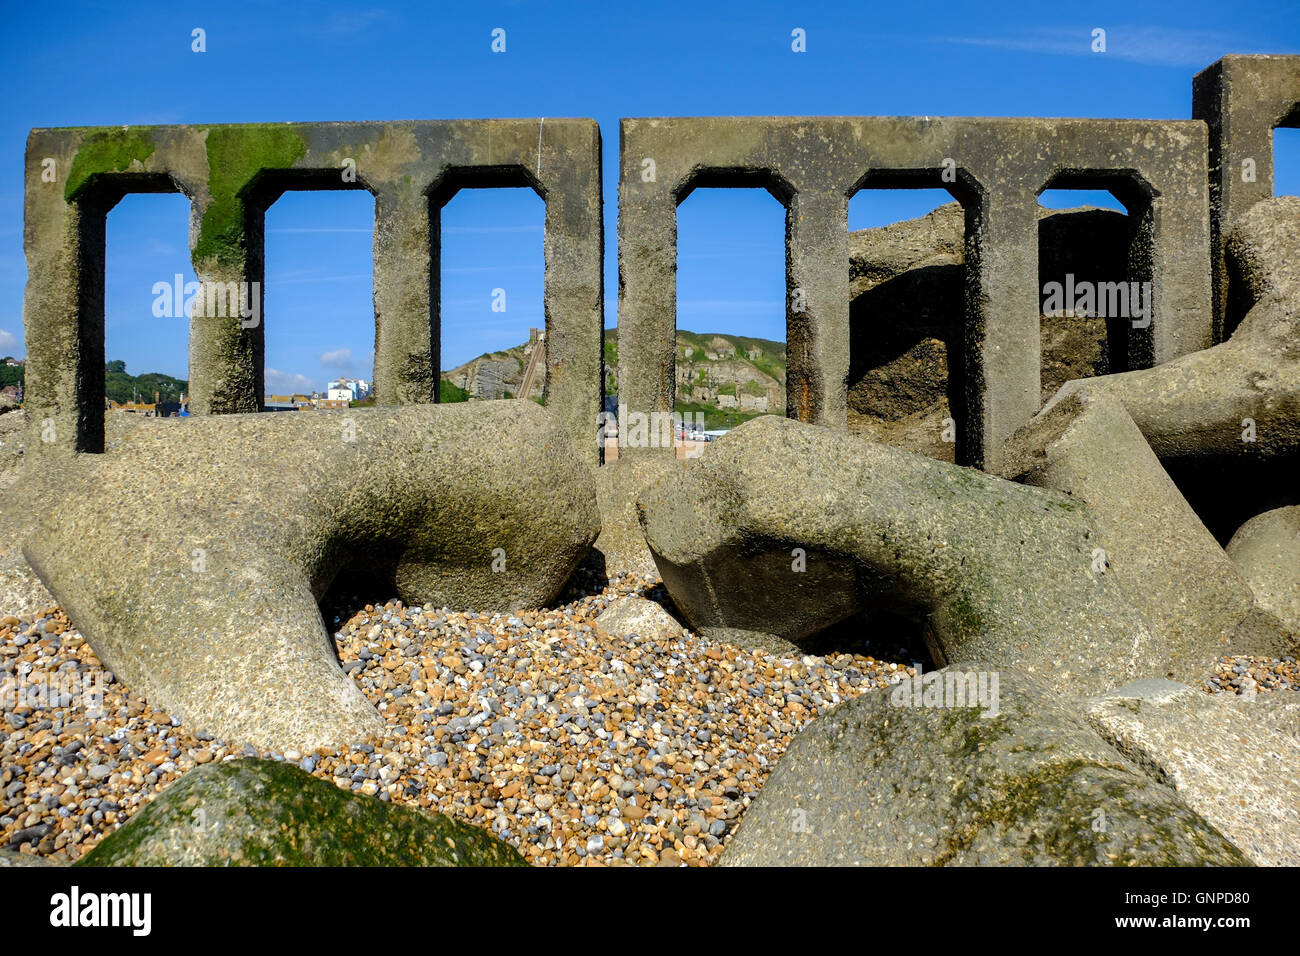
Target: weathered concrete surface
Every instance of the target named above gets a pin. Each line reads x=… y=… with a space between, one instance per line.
x=879 y=781
x=192 y=557
x=1149 y=538
x=1242 y=397
x=232 y=174
x=1241 y=99
x=265 y=813
x=13 y=858
x=994 y=570
x=813 y=164
x=21 y=591
x=618 y=483
x=1280 y=712
x=1266 y=551
x=906 y=320
x=1234 y=770
x=648 y=620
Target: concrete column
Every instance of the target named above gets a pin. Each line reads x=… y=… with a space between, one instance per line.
x=1002 y=325
x=647 y=306
x=1170 y=247
x=575 y=324
x=817 y=308
x=407 y=321
x=63 y=313
x=228 y=352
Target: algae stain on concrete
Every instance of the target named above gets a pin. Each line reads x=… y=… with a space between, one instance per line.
x=108 y=151
x=236 y=154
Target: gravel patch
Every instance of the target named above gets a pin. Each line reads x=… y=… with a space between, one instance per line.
x=576 y=746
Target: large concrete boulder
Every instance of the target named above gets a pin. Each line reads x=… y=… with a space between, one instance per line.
x=264 y=813
x=784 y=527
x=917 y=776
x=1169 y=564
x=1232 y=768
x=1242 y=397
x=907 y=319
x=1266 y=550
x=192 y=555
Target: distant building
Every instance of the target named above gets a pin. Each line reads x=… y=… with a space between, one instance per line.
x=13 y=362
x=347 y=389
x=282 y=403
x=155 y=409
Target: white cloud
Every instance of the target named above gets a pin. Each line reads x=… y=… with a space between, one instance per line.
x=8 y=340
x=1159 y=46
x=286 y=383
x=339 y=358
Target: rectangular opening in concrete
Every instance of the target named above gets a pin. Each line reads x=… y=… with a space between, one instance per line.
x=906 y=315
x=731 y=313
x=1088 y=299
x=1099 y=288
x=1286 y=161
x=148 y=282
x=318 y=300
x=493 y=319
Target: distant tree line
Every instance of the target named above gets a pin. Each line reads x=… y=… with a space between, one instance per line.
x=120 y=385
x=10 y=374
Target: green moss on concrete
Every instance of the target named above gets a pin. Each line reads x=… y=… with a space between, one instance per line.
x=236 y=154
x=113 y=150
x=265 y=813
x=964 y=617
x=1048 y=801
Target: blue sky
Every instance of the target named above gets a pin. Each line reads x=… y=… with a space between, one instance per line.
x=123 y=63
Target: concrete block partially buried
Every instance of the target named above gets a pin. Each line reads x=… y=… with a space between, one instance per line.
x=1266 y=551
x=232 y=174
x=1149 y=538
x=971 y=766
x=1227 y=765
x=991 y=569
x=192 y=556
x=269 y=813
x=995 y=167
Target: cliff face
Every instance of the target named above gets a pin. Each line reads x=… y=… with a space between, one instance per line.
x=731 y=371
x=734 y=372
x=497 y=374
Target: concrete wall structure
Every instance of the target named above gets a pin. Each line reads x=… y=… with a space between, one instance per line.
x=231 y=175
x=995 y=167
x=1181 y=182
x=1242 y=99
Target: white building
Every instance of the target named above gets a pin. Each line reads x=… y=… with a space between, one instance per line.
x=348 y=389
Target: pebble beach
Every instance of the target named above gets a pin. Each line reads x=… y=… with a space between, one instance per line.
x=577 y=746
